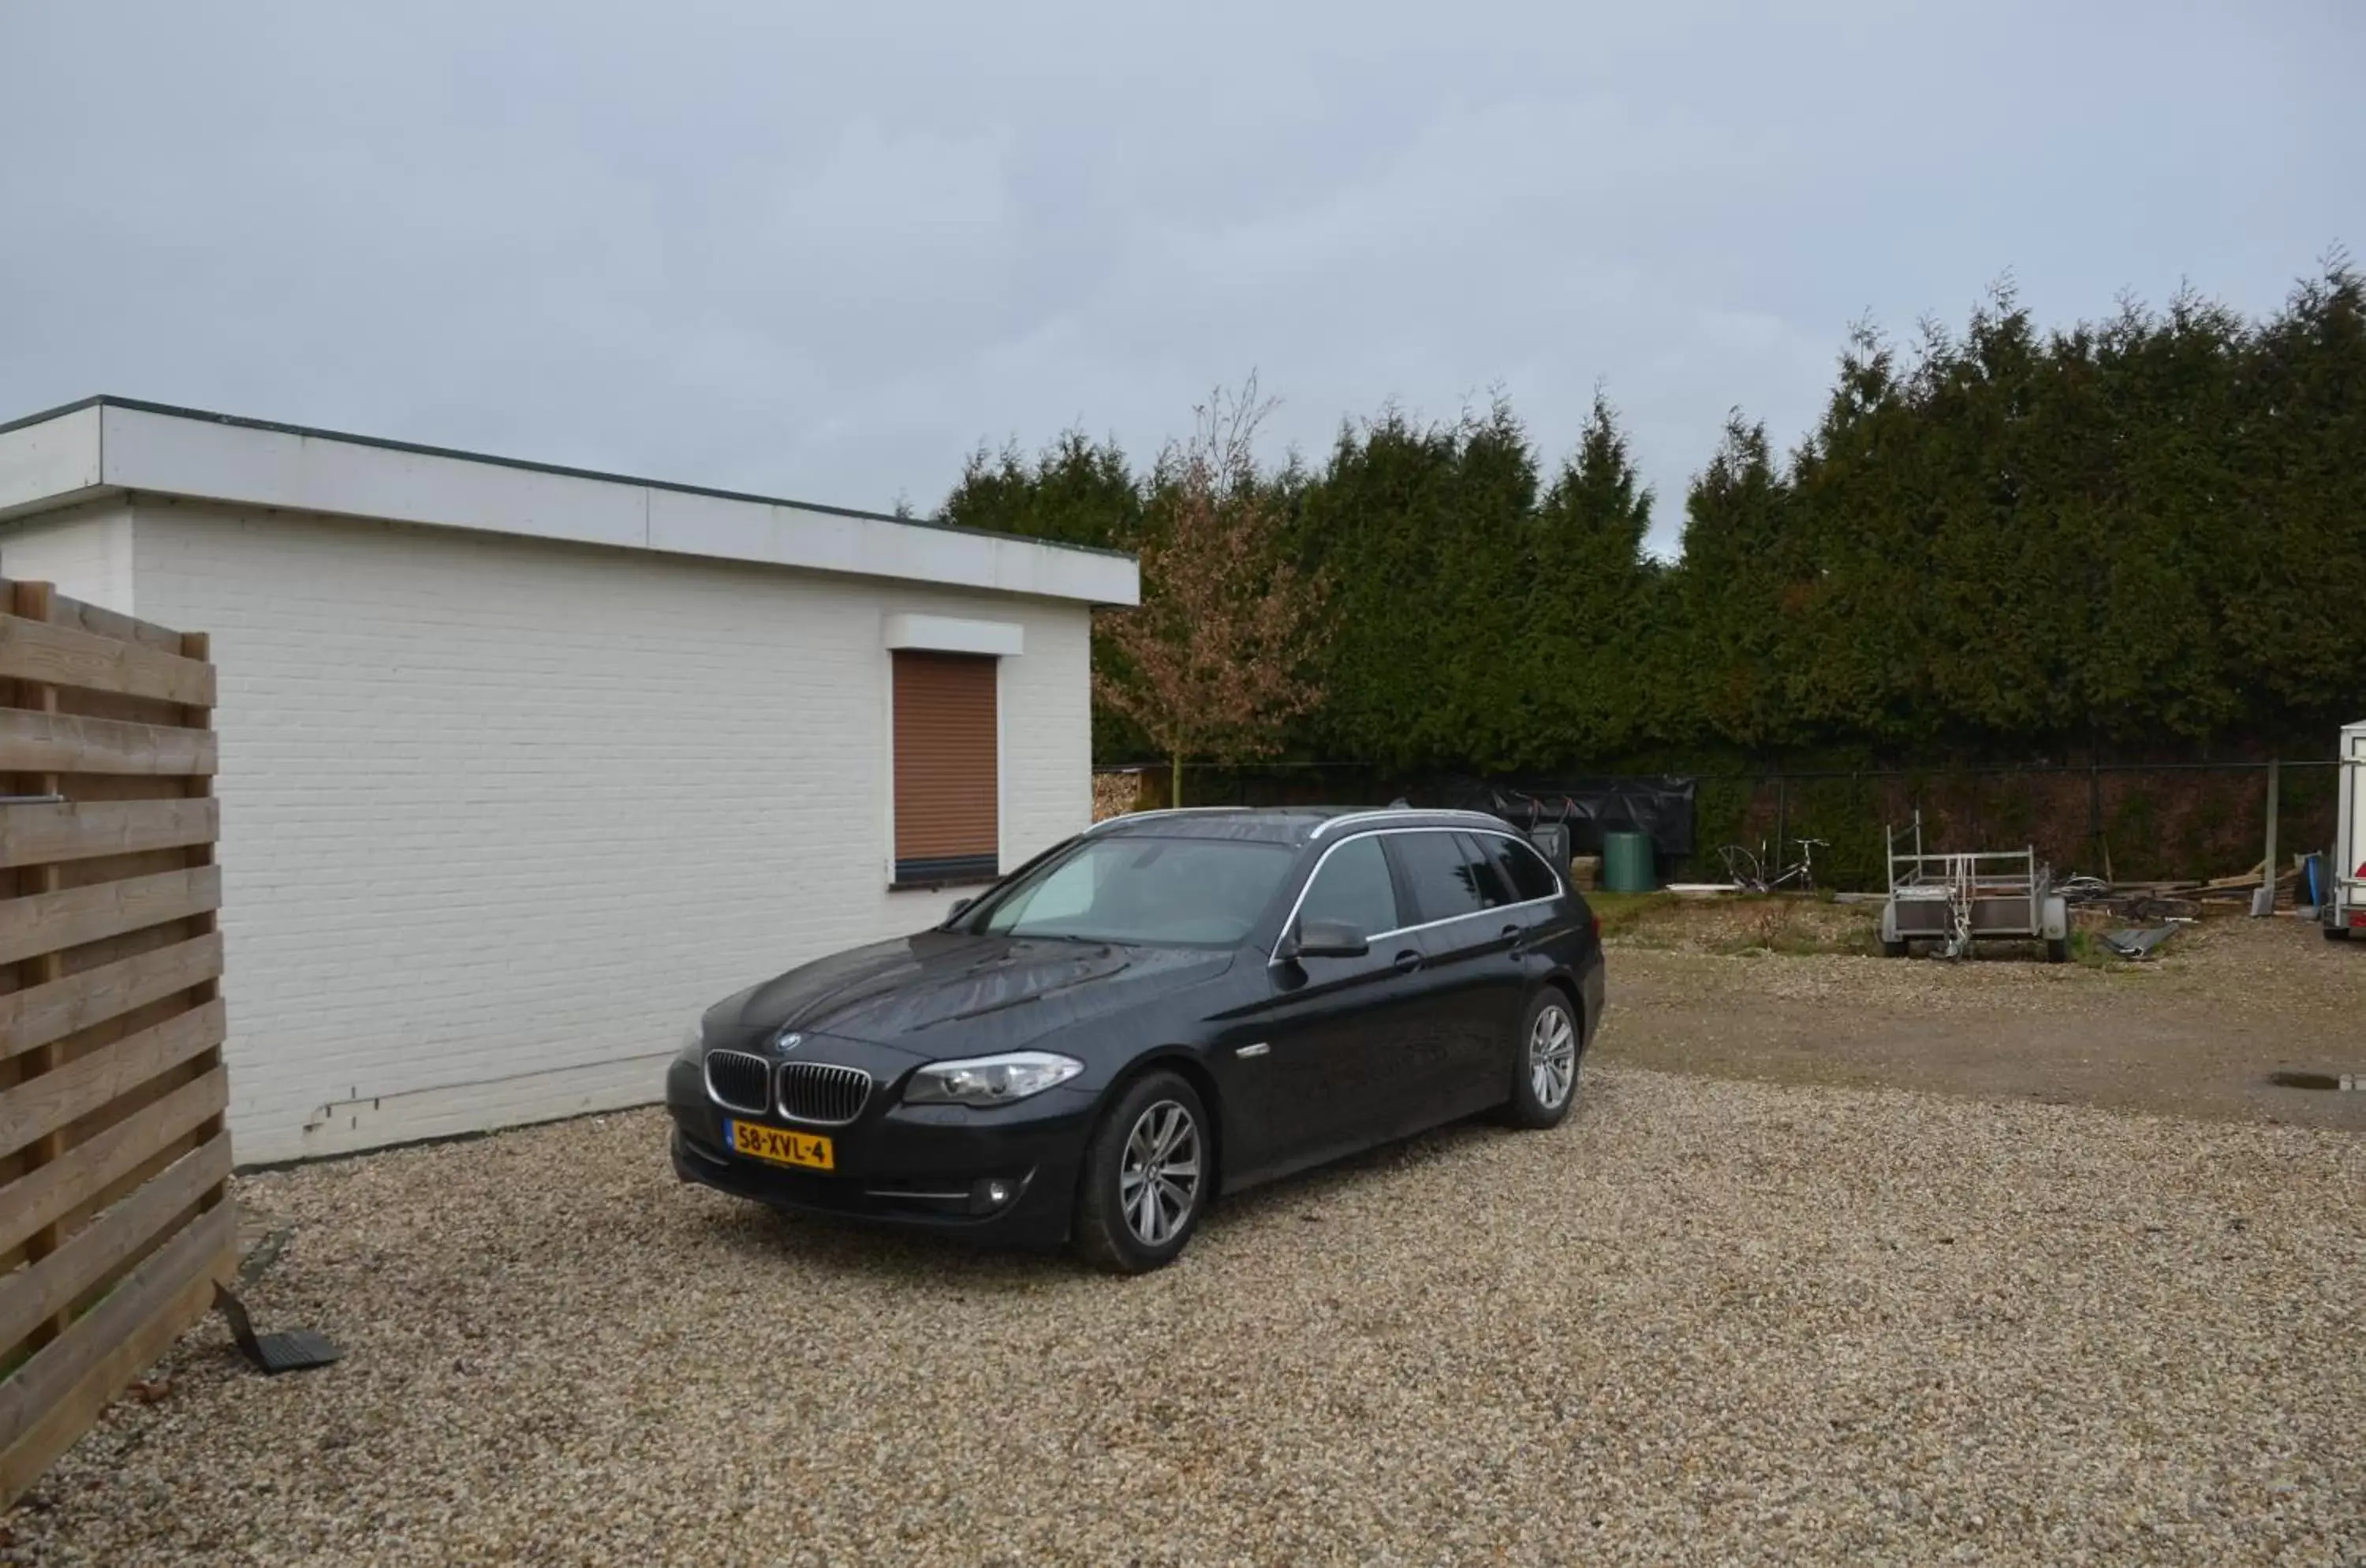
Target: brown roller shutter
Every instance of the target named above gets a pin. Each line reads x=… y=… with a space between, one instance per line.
x=945 y=768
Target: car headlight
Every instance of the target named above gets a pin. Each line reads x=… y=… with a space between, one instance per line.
x=693 y=1038
x=989 y=1081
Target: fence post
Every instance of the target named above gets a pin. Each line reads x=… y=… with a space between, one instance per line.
x=199 y=645
x=2265 y=903
x=2095 y=814
x=33 y=602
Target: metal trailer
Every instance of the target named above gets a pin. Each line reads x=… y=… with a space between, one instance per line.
x=2342 y=906
x=1956 y=899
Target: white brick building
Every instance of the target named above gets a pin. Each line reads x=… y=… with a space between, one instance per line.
x=522 y=765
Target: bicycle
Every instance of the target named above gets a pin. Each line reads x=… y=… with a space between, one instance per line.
x=1747 y=869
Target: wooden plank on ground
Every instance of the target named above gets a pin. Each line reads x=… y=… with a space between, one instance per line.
x=44 y=835
x=43 y=1013
x=107 y=1155
x=64 y=655
x=50 y=922
x=67 y=743
x=54 y=1397
x=49 y=1285
x=64 y=1095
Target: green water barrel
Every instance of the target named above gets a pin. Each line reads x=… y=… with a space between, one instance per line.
x=1627 y=863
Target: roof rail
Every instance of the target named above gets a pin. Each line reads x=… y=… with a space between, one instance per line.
x=1329 y=822
x=1163 y=811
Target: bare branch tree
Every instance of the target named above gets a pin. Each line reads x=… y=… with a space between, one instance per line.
x=1214 y=662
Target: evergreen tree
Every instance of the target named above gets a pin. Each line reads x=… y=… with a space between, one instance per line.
x=1587 y=604
x=1422 y=530
x=1732 y=599
x=2147 y=532
x=1076 y=491
x=2295 y=580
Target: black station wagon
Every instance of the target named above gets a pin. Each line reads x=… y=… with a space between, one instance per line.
x=1169 y=1007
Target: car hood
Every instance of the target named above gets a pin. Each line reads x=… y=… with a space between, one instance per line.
x=939 y=993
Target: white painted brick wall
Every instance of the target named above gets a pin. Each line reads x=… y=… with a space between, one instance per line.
x=86 y=552
x=500 y=816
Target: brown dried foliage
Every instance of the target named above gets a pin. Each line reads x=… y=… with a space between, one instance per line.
x=1213 y=663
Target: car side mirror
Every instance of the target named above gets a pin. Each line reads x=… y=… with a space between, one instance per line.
x=959 y=905
x=1325 y=939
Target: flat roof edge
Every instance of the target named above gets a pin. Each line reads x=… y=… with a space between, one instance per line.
x=237 y=421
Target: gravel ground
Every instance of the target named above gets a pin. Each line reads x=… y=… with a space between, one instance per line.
x=2195 y=1032
x=1707 y=1320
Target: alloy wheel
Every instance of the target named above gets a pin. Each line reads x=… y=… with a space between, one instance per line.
x=1552 y=1057
x=1158 y=1177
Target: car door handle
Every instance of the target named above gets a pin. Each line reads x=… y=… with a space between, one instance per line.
x=1407 y=962
x=1511 y=934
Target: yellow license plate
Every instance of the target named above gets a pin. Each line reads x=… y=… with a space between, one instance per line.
x=778 y=1146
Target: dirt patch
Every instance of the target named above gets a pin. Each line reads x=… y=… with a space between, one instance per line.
x=2195 y=1030
x=1737 y=925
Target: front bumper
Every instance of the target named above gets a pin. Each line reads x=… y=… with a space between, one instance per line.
x=924 y=1166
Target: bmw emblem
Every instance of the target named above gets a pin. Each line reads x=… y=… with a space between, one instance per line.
x=790 y=1041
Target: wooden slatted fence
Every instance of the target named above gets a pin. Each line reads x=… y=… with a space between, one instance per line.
x=114 y=1218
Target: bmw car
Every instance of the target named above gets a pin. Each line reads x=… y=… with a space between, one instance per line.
x=1168 y=1008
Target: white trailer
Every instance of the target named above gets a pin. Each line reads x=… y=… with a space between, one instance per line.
x=2342 y=906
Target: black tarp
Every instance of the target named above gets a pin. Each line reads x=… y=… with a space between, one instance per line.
x=1660 y=805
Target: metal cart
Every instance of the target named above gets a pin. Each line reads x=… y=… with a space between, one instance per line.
x=1956 y=899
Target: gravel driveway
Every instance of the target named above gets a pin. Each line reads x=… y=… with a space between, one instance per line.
x=1705 y=1319
x=2195 y=1031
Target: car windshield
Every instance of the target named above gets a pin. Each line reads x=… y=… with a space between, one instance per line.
x=1185 y=892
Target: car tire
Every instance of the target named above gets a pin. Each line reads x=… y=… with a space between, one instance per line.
x=1550 y=1033
x=1893 y=950
x=2057 y=950
x=1127 y=1219
x=2337 y=933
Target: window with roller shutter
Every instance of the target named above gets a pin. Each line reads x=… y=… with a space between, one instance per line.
x=947 y=793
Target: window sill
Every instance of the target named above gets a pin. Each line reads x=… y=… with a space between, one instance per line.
x=941 y=885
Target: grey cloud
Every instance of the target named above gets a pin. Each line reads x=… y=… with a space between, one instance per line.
x=824 y=250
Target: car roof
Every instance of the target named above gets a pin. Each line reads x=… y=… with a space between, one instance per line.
x=1291 y=824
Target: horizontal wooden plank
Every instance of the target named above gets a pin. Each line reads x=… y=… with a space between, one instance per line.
x=44 y=835
x=44 y=1103
x=43 y=1013
x=66 y=743
x=66 y=656
x=90 y=1168
x=78 y=1409
x=115 y=1339
x=97 y=619
x=52 y=922
x=49 y=1285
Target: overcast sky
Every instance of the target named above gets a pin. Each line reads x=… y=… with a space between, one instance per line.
x=823 y=250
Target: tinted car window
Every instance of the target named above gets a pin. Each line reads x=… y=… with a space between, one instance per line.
x=1353 y=887
x=1487 y=872
x=1445 y=882
x=1138 y=889
x=1531 y=876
